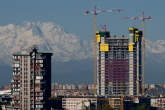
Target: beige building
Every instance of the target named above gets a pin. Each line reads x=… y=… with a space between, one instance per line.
x=158 y=102
x=77 y=103
x=31 y=84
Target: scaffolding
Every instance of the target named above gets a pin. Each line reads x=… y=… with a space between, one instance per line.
x=119 y=64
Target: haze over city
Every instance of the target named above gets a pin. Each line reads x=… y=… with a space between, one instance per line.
x=82 y=55
x=62 y=28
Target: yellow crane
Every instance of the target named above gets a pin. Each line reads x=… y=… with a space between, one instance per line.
x=143 y=44
x=95 y=13
x=143 y=41
x=122 y=103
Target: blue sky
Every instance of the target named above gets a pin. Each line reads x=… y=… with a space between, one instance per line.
x=69 y=14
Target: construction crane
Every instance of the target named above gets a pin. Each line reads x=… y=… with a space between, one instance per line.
x=143 y=19
x=95 y=13
x=122 y=102
x=104 y=27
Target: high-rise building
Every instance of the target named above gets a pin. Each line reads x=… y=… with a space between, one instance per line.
x=119 y=62
x=31 y=84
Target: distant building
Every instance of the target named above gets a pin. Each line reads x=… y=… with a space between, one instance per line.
x=146 y=86
x=115 y=102
x=152 y=86
x=82 y=86
x=5 y=90
x=90 y=87
x=119 y=64
x=31 y=84
x=75 y=103
x=93 y=103
x=73 y=87
x=158 y=102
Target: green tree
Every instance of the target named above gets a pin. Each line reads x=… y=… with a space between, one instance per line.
x=141 y=107
x=106 y=107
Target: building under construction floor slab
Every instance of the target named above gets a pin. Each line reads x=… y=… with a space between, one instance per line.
x=119 y=63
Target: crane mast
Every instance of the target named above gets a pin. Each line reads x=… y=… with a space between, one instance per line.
x=143 y=44
x=94 y=45
x=95 y=13
x=143 y=54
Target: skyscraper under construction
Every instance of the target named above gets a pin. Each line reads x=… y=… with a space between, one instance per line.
x=119 y=64
x=31 y=84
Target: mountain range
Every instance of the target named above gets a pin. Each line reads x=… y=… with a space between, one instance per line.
x=72 y=56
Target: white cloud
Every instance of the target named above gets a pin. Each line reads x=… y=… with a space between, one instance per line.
x=155 y=50
x=48 y=36
x=156 y=47
x=52 y=38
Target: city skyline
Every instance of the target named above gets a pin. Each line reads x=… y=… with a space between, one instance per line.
x=55 y=57
x=68 y=19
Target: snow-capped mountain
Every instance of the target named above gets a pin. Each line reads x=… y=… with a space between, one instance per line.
x=47 y=36
x=51 y=37
x=69 y=51
x=155 y=50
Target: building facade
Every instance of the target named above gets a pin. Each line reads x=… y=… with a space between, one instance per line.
x=79 y=103
x=119 y=70
x=158 y=102
x=31 y=84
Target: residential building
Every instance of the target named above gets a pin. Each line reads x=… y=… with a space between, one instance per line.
x=158 y=102
x=31 y=84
